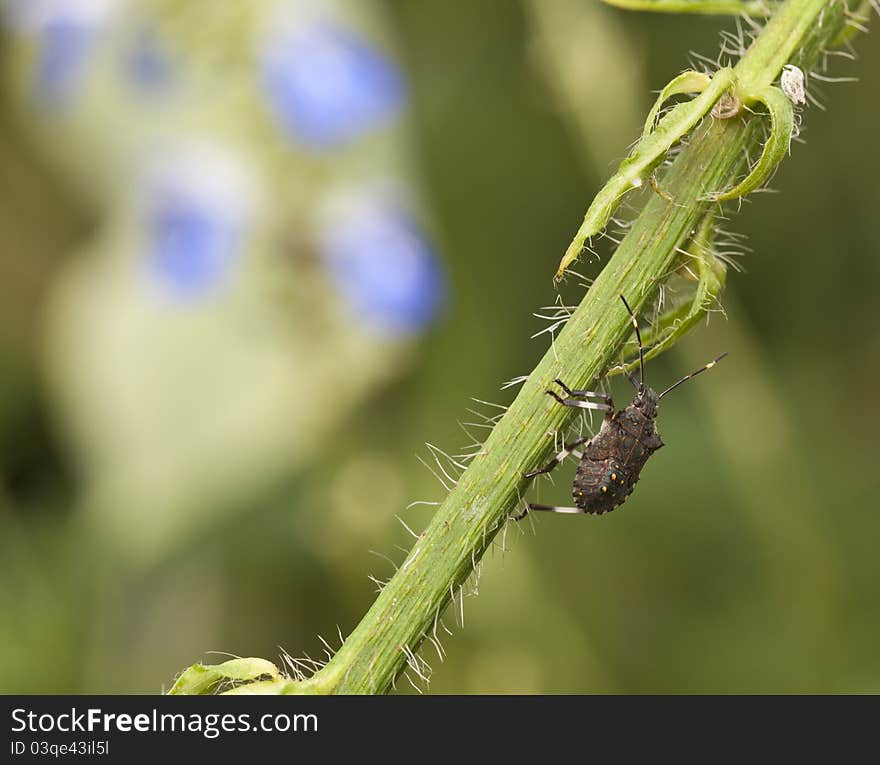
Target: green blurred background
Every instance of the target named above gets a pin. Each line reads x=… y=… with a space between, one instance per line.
x=129 y=548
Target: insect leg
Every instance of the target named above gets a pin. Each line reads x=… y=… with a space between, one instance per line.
x=576 y=404
x=566 y=450
x=549 y=509
x=584 y=393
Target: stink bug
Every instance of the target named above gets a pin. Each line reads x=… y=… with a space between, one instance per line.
x=612 y=459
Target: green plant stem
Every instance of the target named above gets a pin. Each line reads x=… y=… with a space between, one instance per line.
x=445 y=554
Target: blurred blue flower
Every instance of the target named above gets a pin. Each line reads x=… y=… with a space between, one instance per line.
x=147 y=65
x=191 y=247
x=384 y=267
x=64 y=33
x=65 y=44
x=196 y=212
x=327 y=86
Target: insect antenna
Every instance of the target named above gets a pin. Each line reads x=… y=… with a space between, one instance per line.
x=693 y=374
x=641 y=347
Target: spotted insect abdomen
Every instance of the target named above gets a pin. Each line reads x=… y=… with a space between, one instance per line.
x=600 y=485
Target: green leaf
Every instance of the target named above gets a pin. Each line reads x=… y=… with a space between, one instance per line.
x=776 y=147
x=687 y=82
x=204 y=679
x=648 y=153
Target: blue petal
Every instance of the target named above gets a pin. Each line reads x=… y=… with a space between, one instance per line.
x=386 y=270
x=327 y=86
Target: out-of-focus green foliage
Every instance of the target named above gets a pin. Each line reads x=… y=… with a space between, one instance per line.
x=745 y=561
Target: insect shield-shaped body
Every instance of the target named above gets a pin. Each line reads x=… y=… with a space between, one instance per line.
x=613 y=459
